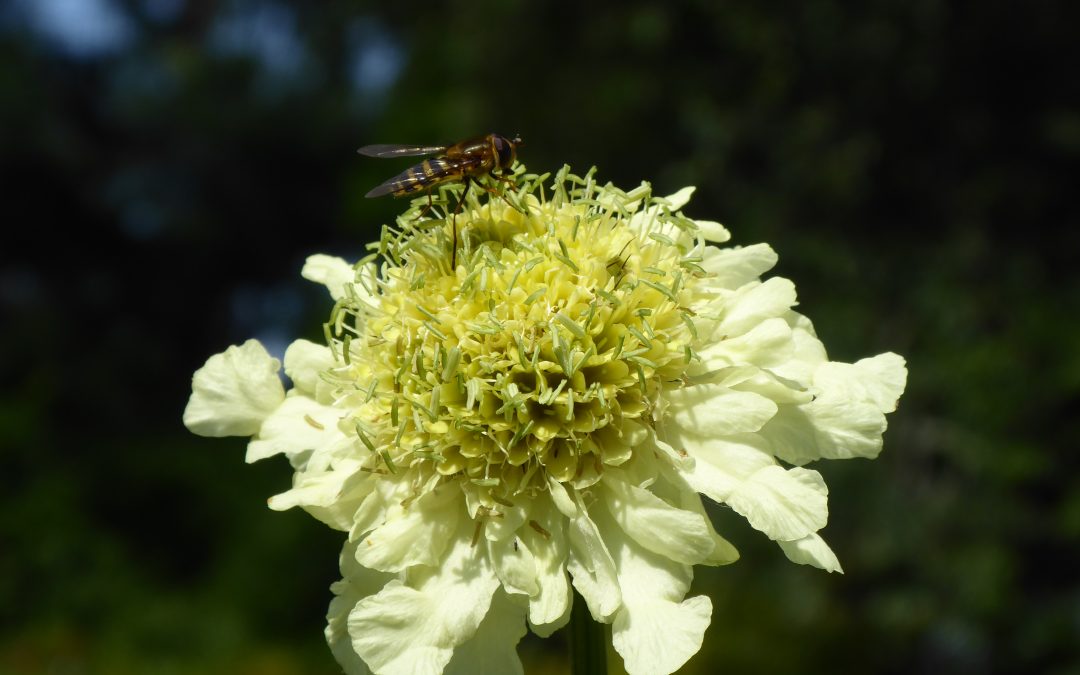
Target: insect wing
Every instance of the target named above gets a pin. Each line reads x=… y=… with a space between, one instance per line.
x=392 y=185
x=427 y=174
x=398 y=150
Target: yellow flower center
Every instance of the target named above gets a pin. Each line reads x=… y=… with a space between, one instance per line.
x=540 y=357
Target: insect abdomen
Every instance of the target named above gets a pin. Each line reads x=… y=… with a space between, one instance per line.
x=424 y=175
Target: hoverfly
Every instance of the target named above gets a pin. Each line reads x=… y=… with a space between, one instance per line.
x=465 y=161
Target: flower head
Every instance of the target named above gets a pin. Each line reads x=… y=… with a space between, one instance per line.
x=546 y=416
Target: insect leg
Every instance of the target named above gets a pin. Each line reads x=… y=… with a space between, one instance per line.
x=427 y=208
x=424 y=211
x=506 y=179
x=501 y=193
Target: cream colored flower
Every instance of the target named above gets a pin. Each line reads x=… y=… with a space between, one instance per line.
x=546 y=417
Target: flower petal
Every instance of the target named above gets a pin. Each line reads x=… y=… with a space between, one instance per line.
x=876 y=381
x=784 y=504
x=652 y=448
x=811 y=550
x=681 y=536
x=723 y=552
x=514 y=564
x=330 y=496
x=385 y=501
x=561 y=498
x=808 y=354
x=493 y=650
x=413 y=626
x=847 y=416
x=655 y=630
x=304 y=363
x=735 y=267
x=755 y=303
x=766 y=345
x=509 y=519
x=416 y=535
x=681 y=198
x=357 y=583
x=234 y=391
x=298 y=425
x=330 y=271
x=549 y=609
x=591 y=567
x=711 y=410
x=766 y=383
x=720 y=466
x=713 y=231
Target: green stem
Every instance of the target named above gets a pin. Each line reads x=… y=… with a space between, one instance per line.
x=588 y=643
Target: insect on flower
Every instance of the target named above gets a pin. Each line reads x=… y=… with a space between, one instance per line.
x=492 y=448
x=465 y=161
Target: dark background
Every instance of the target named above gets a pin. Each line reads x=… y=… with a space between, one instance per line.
x=166 y=166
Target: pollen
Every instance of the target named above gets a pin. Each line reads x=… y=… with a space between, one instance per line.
x=540 y=358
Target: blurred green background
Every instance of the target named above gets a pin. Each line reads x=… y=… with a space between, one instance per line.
x=166 y=166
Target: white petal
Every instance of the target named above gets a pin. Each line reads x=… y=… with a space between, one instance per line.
x=416 y=535
x=658 y=636
x=792 y=437
x=652 y=447
x=493 y=650
x=802 y=434
x=330 y=271
x=655 y=630
x=713 y=231
x=511 y=516
x=777 y=389
x=679 y=535
x=383 y=503
x=234 y=391
x=681 y=198
x=732 y=268
x=305 y=362
x=297 y=425
x=562 y=499
x=784 y=504
x=723 y=552
x=331 y=496
x=766 y=345
x=808 y=354
x=755 y=303
x=337 y=634
x=514 y=564
x=357 y=583
x=413 y=627
x=549 y=609
x=591 y=567
x=878 y=381
x=846 y=418
x=711 y=410
x=811 y=550
x=721 y=466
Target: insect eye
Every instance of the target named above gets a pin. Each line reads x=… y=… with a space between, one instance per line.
x=505 y=151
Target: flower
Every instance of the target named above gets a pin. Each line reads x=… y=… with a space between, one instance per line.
x=546 y=416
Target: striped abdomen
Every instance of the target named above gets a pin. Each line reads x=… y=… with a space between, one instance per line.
x=426 y=174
